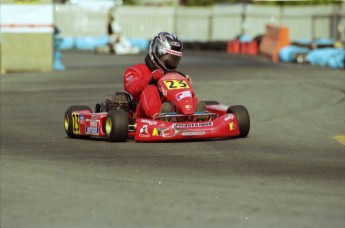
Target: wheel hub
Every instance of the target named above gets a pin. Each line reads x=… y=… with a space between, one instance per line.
x=108 y=126
x=66 y=123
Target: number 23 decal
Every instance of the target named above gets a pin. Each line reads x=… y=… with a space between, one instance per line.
x=176 y=84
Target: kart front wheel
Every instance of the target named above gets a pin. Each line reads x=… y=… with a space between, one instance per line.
x=68 y=120
x=243 y=119
x=116 y=126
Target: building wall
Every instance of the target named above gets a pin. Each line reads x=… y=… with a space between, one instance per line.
x=218 y=23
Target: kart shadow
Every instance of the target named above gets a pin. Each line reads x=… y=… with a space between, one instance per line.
x=131 y=140
x=191 y=140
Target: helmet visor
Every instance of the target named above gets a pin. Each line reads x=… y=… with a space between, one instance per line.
x=168 y=58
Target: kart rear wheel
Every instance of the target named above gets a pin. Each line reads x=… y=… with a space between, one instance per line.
x=116 y=126
x=243 y=119
x=211 y=102
x=68 y=119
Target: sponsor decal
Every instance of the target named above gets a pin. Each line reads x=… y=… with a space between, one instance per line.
x=162 y=124
x=129 y=79
x=172 y=131
x=232 y=126
x=168 y=132
x=93 y=123
x=92 y=130
x=81 y=119
x=189 y=125
x=192 y=133
x=150 y=122
x=92 y=127
x=183 y=94
x=167 y=50
x=188 y=107
x=155 y=132
x=164 y=132
x=229 y=117
x=143 y=132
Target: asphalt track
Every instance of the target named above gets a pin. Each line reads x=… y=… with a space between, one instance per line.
x=289 y=171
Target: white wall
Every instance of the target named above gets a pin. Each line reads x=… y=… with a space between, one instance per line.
x=143 y=22
x=222 y=22
x=74 y=20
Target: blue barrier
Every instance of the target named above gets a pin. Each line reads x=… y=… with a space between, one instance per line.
x=142 y=44
x=287 y=54
x=324 y=41
x=320 y=52
x=320 y=41
x=90 y=43
x=57 y=55
x=245 y=38
x=68 y=43
x=331 y=57
x=58 y=65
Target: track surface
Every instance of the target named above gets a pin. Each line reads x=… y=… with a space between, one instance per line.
x=289 y=171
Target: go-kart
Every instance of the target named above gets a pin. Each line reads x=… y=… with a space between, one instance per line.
x=115 y=119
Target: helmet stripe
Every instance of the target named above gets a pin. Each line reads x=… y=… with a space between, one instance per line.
x=177 y=53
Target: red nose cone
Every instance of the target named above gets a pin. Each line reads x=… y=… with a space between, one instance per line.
x=186 y=106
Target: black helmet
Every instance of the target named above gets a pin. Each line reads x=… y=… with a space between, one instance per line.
x=165 y=51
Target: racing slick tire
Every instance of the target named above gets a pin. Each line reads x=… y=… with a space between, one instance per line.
x=243 y=119
x=68 y=119
x=116 y=126
x=211 y=102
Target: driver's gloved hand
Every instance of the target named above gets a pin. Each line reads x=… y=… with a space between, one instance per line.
x=156 y=75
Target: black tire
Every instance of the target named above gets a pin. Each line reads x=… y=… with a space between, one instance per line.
x=211 y=102
x=68 y=119
x=116 y=126
x=101 y=107
x=301 y=58
x=243 y=119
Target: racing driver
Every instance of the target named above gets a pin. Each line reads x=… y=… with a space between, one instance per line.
x=164 y=55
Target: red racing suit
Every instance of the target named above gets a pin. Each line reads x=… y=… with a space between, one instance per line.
x=136 y=82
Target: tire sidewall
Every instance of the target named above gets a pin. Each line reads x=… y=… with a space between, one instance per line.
x=243 y=118
x=68 y=115
x=119 y=126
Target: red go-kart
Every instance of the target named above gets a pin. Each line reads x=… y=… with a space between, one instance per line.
x=115 y=119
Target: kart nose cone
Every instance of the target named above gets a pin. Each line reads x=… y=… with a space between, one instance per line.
x=186 y=106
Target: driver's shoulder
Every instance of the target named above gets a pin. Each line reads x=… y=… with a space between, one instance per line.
x=139 y=68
